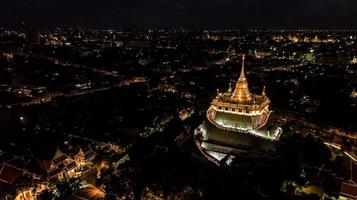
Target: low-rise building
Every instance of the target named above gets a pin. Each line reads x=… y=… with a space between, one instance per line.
x=85 y=155
x=60 y=166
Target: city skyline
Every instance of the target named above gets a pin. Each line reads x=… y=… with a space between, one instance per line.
x=178 y=99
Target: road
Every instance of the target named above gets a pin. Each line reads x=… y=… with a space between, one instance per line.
x=50 y=96
x=332 y=136
x=57 y=61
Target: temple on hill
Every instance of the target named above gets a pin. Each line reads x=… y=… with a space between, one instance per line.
x=237 y=121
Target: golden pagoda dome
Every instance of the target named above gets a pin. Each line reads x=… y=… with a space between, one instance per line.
x=241 y=92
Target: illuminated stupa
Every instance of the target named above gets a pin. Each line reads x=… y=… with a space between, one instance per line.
x=237 y=121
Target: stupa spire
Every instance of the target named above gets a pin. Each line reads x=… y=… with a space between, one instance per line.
x=242 y=73
x=241 y=92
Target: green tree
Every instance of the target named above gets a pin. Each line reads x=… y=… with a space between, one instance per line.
x=67 y=187
x=298 y=151
x=46 y=195
x=118 y=187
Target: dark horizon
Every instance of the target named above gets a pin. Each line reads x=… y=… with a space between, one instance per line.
x=279 y=14
x=32 y=27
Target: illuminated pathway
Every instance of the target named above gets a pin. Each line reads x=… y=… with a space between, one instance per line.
x=50 y=96
x=339 y=147
x=323 y=132
x=69 y=64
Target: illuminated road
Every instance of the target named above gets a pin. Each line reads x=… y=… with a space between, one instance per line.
x=324 y=131
x=57 y=61
x=50 y=96
x=333 y=137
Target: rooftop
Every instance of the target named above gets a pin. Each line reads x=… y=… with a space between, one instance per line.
x=241 y=95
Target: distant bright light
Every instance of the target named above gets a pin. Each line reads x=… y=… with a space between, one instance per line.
x=22 y=118
x=349 y=155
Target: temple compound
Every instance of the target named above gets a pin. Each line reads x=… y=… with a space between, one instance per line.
x=237 y=121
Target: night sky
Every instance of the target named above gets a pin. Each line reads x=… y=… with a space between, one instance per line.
x=187 y=13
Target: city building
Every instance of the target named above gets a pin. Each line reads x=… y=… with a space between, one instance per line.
x=12 y=174
x=60 y=166
x=237 y=121
x=32 y=37
x=85 y=155
x=348 y=191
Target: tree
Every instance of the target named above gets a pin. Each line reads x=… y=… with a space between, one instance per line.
x=67 y=187
x=118 y=187
x=46 y=195
x=298 y=152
